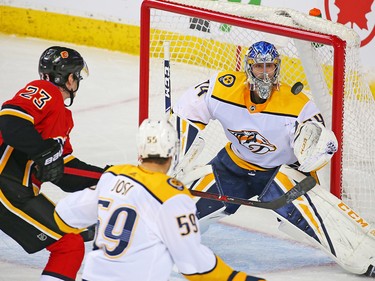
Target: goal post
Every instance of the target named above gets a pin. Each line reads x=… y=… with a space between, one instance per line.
x=209 y=36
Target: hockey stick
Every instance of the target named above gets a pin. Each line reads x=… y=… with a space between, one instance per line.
x=197 y=146
x=298 y=190
x=167 y=78
x=82 y=173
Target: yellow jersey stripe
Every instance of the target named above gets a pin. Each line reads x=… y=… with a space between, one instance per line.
x=27 y=218
x=64 y=227
x=26 y=176
x=160 y=186
x=4 y=159
x=221 y=271
x=204 y=183
x=241 y=163
x=17 y=113
x=68 y=158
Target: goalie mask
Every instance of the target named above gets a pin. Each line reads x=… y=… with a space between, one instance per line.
x=156 y=139
x=262 y=67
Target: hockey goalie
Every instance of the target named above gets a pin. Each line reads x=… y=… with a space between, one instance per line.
x=276 y=138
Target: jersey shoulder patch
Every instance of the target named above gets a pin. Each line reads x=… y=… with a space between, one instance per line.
x=175 y=183
x=227 y=80
x=168 y=188
x=230 y=87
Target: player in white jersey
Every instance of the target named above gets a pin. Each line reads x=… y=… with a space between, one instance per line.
x=146 y=220
x=276 y=137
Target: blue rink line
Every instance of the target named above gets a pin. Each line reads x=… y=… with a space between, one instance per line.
x=257 y=253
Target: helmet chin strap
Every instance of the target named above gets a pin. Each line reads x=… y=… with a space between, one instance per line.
x=71 y=93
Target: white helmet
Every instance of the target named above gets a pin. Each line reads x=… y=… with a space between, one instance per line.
x=156 y=138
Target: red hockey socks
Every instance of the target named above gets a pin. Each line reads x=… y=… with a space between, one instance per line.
x=66 y=257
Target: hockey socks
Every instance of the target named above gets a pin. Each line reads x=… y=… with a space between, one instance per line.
x=65 y=258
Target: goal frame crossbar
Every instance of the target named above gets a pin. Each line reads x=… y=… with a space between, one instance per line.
x=338 y=45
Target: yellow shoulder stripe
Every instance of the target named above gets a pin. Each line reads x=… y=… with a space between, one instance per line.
x=17 y=113
x=229 y=88
x=285 y=103
x=159 y=185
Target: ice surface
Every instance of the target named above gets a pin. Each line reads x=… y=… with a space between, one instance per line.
x=106 y=115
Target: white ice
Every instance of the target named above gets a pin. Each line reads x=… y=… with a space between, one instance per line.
x=106 y=117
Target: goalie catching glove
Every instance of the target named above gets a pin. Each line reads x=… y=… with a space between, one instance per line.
x=49 y=164
x=314 y=146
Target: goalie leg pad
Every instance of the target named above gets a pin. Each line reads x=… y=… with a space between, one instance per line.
x=206 y=221
x=278 y=187
x=66 y=257
x=331 y=225
x=206 y=183
x=352 y=237
x=209 y=211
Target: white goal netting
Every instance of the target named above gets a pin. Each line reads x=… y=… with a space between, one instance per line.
x=208 y=36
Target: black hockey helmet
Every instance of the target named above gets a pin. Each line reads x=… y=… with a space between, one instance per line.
x=56 y=63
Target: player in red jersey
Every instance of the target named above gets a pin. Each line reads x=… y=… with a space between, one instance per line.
x=34 y=148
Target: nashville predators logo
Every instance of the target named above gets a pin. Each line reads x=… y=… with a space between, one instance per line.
x=227 y=80
x=253 y=141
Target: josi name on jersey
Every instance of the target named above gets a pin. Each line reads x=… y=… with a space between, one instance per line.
x=122 y=187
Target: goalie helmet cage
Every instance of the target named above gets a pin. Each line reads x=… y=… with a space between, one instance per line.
x=209 y=36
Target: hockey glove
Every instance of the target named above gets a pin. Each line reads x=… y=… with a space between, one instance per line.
x=314 y=146
x=49 y=163
x=89 y=233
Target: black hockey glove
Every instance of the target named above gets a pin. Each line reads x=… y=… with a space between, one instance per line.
x=49 y=163
x=89 y=233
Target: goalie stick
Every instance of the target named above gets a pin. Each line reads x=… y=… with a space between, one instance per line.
x=296 y=191
x=167 y=78
x=197 y=146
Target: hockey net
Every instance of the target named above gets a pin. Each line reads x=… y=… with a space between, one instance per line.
x=209 y=36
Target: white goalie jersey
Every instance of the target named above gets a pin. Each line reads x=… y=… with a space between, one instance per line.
x=146 y=222
x=260 y=134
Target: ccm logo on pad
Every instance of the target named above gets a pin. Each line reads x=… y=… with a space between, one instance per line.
x=352 y=215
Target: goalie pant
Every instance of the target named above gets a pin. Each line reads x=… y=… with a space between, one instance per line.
x=319 y=216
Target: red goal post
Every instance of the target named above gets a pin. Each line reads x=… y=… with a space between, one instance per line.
x=325 y=54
